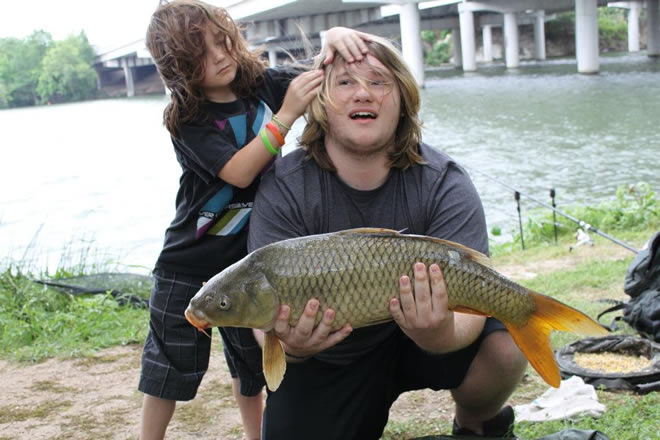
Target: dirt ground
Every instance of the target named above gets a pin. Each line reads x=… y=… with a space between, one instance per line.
x=97 y=398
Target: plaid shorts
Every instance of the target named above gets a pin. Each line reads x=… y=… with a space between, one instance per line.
x=176 y=355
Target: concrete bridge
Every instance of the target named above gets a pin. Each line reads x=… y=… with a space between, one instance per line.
x=277 y=25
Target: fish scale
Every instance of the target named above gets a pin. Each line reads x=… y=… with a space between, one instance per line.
x=357 y=276
x=356 y=273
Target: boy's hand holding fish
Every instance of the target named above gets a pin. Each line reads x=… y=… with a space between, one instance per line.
x=305 y=339
x=423 y=315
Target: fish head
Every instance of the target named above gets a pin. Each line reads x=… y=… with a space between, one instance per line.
x=239 y=296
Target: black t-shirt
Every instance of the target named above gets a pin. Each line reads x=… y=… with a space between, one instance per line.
x=298 y=198
x=209 y=230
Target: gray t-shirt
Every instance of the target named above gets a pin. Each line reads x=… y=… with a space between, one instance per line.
x=297 y=198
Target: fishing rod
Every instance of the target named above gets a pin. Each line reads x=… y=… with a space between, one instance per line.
x=584 y=225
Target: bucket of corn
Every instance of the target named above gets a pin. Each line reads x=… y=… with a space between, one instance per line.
x=615 y=362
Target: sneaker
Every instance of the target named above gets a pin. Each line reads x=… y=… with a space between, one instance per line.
x=500 y=426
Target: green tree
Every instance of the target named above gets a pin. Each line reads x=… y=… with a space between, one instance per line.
x=66 y=71
x=436 y=47
x=612 y=28
x=20 y=62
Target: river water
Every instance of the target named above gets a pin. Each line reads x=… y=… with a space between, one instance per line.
x=95 y=181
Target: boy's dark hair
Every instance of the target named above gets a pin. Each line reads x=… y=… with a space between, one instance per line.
x=175 y=39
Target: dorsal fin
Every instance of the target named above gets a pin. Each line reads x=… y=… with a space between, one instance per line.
x=469 y=252
x=377 y=231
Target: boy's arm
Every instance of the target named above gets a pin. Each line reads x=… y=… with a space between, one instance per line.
x=246 y=164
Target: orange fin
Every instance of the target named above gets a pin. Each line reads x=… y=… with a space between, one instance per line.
x=533 y=338
x=469 y=252
x=274 y=361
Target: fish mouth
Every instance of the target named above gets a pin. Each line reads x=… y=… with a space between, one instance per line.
x=199 y=324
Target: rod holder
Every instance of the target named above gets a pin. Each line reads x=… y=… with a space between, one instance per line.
x=554 y=213
x=516 y=195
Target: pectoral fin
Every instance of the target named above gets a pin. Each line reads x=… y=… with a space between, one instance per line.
x=274 y=361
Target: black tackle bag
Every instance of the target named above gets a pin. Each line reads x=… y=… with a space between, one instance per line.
x=642 y=284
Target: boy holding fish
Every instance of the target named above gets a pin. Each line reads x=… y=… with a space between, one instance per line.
x=228 y=116
x=363 y=165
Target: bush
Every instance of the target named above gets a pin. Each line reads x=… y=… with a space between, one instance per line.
x=437 y=48
x=612 y=28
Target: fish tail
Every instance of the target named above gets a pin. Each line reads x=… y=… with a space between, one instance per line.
x=274 y=361
x=533 y=338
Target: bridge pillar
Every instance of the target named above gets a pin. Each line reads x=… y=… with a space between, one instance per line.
x=653 y=28
x=457 y=50
x=411 y=40
x=511 y=55
x=487 y=36
x=633 y=27
x=539 y=35
x=586 y=36
x=127 y=65
x=272 y=57
x=468 y=52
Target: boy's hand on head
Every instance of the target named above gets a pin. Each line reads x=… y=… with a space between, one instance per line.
x=350 y=44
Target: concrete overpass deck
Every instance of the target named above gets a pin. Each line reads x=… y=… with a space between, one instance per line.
x=277 y=25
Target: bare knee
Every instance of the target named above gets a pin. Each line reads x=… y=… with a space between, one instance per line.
x=504 y=356
x=493 y=375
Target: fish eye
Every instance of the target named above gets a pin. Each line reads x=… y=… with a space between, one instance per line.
x=225 y=304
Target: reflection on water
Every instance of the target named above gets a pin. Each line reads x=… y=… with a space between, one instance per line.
x=104 y=173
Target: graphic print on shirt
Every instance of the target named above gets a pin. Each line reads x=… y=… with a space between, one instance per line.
x=219 y=216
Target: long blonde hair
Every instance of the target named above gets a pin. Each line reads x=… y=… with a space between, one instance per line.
x=175 y=38
x=409 y=130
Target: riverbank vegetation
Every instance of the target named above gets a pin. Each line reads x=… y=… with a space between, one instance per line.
x=39 y=70
x=612 y=29
x=39 y=322
x=634 y=208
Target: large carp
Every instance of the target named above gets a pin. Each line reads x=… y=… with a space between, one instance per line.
x=356 y=272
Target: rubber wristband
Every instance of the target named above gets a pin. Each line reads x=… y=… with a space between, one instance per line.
x=276 y=133
x=266 y=141
x=280 y=123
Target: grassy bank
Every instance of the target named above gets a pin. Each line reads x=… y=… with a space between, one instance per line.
x=39 y=322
